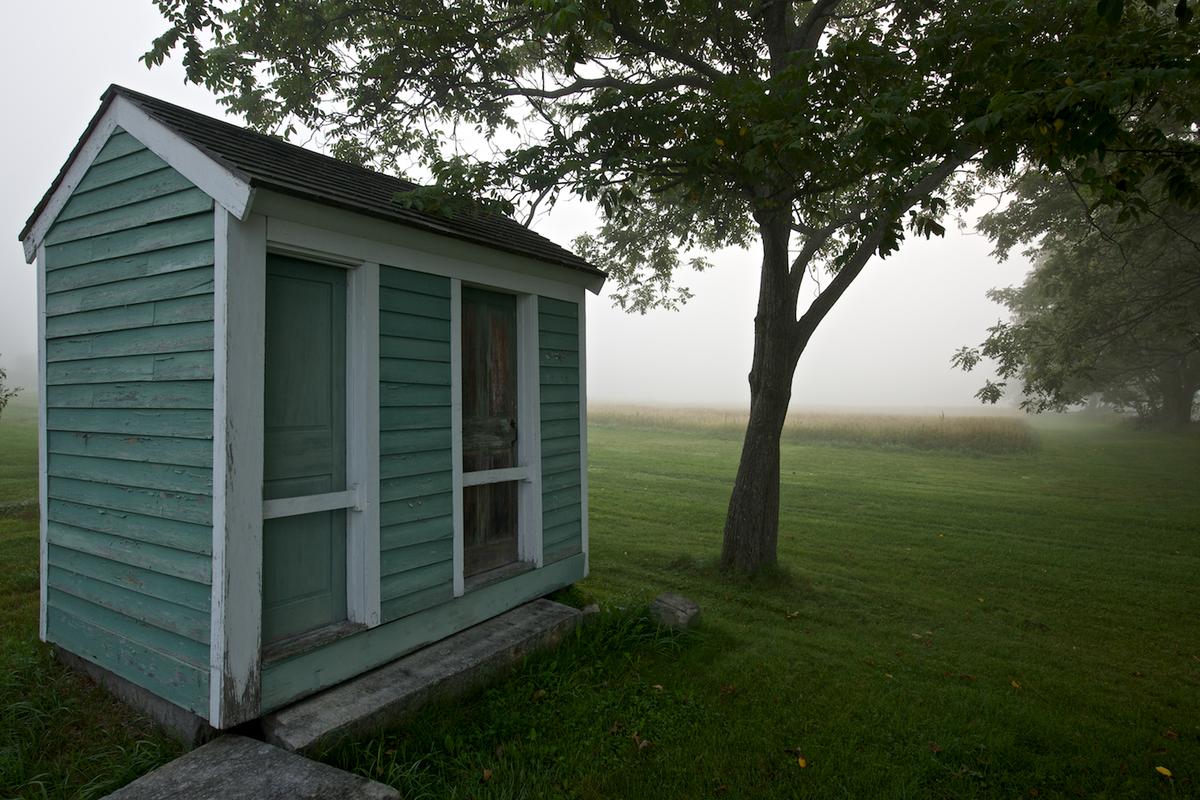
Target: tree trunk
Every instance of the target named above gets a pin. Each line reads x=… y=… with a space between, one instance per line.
x=752 y=522
x=1178 y=394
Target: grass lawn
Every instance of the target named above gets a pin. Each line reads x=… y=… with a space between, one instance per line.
x=60 y=736
x=948 y=624
x=1014 y=619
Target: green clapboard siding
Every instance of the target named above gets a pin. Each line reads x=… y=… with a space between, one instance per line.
x=129 y=338
x=558 y=370
x=415 y=465
x=435 y=615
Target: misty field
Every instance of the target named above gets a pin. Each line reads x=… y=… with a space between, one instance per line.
x=966 y=608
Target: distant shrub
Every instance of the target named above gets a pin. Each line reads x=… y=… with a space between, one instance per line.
x=989 y=435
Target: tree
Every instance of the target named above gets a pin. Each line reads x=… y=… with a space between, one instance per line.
x=1112 y=307
x=6 y=393
x=823 y=131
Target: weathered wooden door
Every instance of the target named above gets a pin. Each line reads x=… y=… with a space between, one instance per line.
x=489 y=428
x=304 y=556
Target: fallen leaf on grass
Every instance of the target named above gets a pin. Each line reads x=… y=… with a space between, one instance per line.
x=641 y=743
x=487 y=775
x=1170 y=734
x=538 y=695
x=802 y=762
x=934 y=747
x=1166 y=773
x=657 y=686
x=1015 y=684
x=616 y=726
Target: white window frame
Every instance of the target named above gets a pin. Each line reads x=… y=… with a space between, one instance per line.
x=528 y=472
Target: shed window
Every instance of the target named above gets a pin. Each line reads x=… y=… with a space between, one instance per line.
x=489 y=430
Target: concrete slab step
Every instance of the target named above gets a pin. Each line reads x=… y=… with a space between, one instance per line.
x=393 y=692
x=234 y=767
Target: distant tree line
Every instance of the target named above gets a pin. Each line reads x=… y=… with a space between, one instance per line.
x=1110 y=312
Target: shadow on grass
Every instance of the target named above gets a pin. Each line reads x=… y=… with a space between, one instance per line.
x=545 y=725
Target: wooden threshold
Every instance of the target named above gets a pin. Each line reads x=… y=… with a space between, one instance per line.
x=496 y=574
x=309 y=640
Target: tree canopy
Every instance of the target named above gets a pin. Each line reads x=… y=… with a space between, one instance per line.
x=826 y=131
x=1111 y=309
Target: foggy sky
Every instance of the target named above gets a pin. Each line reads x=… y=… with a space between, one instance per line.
x=887 y=343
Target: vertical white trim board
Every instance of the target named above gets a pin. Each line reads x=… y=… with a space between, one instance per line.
x=43 y=445
x=456 y=433
x=583 y=447
x=238 y=357
x=362 y=444
x=529 y=431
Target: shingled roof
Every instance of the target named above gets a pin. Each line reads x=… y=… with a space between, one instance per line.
x=269 y=163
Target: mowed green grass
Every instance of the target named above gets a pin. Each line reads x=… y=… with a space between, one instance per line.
x=60 y=735
x=945 y=624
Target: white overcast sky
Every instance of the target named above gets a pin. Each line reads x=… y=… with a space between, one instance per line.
x=886 y=344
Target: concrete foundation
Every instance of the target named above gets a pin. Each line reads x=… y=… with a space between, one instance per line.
x=234 y=767
x=185 y=726
x=451 y=667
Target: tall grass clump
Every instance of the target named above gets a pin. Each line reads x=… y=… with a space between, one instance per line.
x=990 y=435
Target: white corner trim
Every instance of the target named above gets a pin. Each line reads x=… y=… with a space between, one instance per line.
x=228 y=190
x=529 y=430
x=456 y=435
x=43 y=446
x=583 y=441
x=362 y=442
x=238 y=350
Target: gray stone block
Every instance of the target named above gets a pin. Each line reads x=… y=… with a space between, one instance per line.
x=234 y=767
x=674 y=610
x=393 y=692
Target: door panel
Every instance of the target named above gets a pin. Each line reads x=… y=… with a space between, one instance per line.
x=304 y=573
x=304 y=557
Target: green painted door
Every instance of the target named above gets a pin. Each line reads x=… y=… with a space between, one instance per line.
x=304 y=557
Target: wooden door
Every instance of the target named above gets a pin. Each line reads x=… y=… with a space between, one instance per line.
x=304 y=557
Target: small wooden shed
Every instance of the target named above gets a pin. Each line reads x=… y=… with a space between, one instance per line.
x=290 y=429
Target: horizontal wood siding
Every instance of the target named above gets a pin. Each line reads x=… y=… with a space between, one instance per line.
x=129 y=395
x=415 y=470
x=558 y=357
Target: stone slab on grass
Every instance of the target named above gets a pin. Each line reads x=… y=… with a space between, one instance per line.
x=234 y=767
x=674 y=610
x=393 y=692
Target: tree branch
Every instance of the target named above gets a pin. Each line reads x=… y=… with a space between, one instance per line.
x=590 y=84
x=825 y=301
x=807 y=34
x=664 y=51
